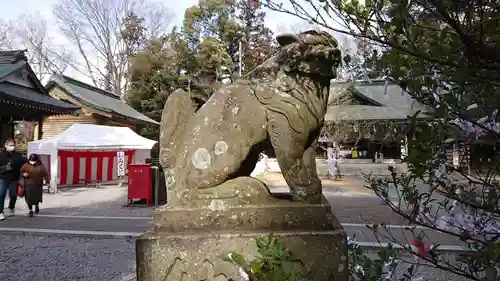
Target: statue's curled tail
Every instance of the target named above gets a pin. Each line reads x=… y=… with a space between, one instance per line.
x=179 y=108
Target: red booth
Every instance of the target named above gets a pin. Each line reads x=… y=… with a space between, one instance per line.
x=139 y=183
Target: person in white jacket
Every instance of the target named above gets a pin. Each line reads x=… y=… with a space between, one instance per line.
x=261 y=166
x=332 y=162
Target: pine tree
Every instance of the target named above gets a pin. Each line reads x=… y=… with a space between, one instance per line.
x=213 y=33
x=257 y=40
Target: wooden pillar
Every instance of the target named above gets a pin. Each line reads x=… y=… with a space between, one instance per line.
x=36 y=130
x=38 y=133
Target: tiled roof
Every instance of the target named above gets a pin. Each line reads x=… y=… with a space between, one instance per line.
x=390 y=96
x=13 y=56
x=11 y=61
x=382 y=102
x=97 y=98
x=23 y=96
x=15 y=94
x=367 y=112
x=340 y=89
x=8 y=68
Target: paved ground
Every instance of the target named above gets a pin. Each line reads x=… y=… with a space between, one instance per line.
x=403 y=236
x=41 y=258
x=76 y=209
x=48 y=258
x=107 y=201
x=122 y=227
x=78 y=223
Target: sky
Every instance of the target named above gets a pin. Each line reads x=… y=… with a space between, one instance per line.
x=12 y=9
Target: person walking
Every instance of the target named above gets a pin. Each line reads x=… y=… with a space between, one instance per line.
x=335 y=169
x=32 y=175
x=330 y=157
x=333 y=162
x=10 y=167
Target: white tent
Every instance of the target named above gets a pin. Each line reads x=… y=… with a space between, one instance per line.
x=89 y=137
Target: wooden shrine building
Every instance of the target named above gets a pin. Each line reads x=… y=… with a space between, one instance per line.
x=98 y=106
x=358 y=111
x=23 y=97
x=468 y=153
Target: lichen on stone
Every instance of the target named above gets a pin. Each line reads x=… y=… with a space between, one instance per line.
x=217 y=205
x=235 y=110
x=220 y=147
x=201 y=159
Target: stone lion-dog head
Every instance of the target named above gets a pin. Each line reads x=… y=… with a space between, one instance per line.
x=310 y=52
x=299 y=76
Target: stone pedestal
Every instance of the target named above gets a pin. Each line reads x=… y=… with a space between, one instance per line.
x=187 y=243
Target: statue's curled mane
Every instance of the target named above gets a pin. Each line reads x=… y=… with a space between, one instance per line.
x=290 y=72
x=293 y=51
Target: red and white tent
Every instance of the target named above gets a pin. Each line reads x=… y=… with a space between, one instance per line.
x=86 y=153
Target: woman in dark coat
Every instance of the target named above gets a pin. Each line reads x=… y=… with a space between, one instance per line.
x=32 y=175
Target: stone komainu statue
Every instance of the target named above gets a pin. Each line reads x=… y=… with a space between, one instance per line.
x=208 y=152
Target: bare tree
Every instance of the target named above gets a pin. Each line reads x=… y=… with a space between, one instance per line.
x=32 y=32
x=294 y=28
x=4 y=36
x=157 y=19
x=93 y=27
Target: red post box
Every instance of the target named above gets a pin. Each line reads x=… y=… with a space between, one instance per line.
x=139 y=183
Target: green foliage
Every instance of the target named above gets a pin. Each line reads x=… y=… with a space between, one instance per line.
x=275 y=262
x=210 y=59
x=154 y=73
x=133 y=34
x=446 y=55
x=363 y=64
x=381 y=265
x=258 y=41
x=212 y=32
x=205 y=49
x=453 y=39
x=224 y=23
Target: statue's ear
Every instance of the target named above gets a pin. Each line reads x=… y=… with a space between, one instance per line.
x=310 y=32
x=286 y=39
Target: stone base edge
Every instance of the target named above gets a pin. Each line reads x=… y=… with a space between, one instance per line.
x=196 y=257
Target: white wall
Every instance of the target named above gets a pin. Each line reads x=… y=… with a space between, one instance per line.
x=347 y=168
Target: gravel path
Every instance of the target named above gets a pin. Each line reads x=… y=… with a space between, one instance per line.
x=45 y=258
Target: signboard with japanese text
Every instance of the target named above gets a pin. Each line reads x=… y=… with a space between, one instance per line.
x=120 y=162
